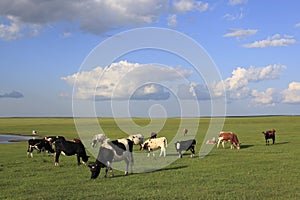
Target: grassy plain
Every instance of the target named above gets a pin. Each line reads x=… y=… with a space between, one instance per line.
x=255 y=171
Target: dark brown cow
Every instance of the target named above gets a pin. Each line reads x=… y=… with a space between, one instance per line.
x=269 y=134
x=228 y=137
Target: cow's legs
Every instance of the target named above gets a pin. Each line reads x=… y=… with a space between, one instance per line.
x=56 y=157
x=131 y=163
x=223 y=144
x=193 y=151
x=127 y=161
x=274 y=139
x=162 y=151
x=219 y=141
x=78 y=159
x=29 y=152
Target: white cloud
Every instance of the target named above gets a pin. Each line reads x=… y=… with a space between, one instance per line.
x=292 y=93
x=237 y=86
x=240 y=33
x=236 y=2
x=236 y=16
x=264 y=98
x=125 y=80
x=172 y=20
x=274 y=41
x=297 y=25
x=14 y=29
x=92 y=16
x=182 y=6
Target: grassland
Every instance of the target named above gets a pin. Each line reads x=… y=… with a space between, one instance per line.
x=255 y=171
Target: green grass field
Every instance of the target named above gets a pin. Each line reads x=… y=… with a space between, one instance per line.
x=255 y=171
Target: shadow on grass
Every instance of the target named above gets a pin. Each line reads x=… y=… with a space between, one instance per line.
x=245 y=146
x=280 y=143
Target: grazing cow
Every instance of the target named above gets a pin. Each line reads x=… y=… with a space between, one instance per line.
x=269 y=134
x=112 y=151
x=155 y=143
x=137 y=139
x=185 y=146
x=70 y=148
x=98 y=138
x=228 y=137
x=40 y=145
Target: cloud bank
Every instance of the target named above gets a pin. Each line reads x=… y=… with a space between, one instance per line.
x=274 y=41
x=28 y=17
x=13 y=94
x=125 y=80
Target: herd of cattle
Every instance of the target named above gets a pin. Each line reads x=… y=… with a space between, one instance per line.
x=122 y=149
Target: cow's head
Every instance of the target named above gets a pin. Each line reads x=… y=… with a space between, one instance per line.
x=85 y=159
x=95 y=169
x=144 y=146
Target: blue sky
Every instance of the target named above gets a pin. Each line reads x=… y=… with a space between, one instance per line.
x=46 y=45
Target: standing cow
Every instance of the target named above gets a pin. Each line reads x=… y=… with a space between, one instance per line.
x=269 y=134
x=228 y=137
x=185 y=146
x=70 y=148
x=155 y=143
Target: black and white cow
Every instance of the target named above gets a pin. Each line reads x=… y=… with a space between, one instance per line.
x=52 y=139
x=98 y=138
x=112 y=151
x=70 y=148
x=137 y=139
x=185 y=146
x=39 y=145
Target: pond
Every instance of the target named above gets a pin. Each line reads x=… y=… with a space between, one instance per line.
x=7 y=138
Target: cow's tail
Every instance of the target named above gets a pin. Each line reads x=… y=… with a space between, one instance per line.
x=166 y=142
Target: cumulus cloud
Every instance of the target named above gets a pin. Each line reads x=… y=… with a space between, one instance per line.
x=236 y=2
x=267 y=98
x=28 y=17
x=274 y=41
x=92 y=16
x=182 y=6
x=124 y=80
x=13 y=29
x=240 y=33
x=13 y=94
x=292 y=93
x=172 y=20
x=193 y=90
x=237 y=86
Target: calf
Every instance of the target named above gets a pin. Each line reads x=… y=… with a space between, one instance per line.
x=228 y=137
x=70 y=148
x=155 y=143
x=269 y=134
x=112 y=151
x=185 y=146
x=39 y=145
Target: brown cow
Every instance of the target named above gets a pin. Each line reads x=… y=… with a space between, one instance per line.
x=228 y=137
x=269 y=134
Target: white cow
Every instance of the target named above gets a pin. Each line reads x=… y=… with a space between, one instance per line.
x=155 y=143
x=137 y=139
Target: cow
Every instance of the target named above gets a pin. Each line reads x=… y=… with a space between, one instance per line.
x=269 y=134
x=99 y=138
x=228 y=137
x=112 y=151
x=70 y=148
x=155 y=143
x=137 y=139
x=185 y=146
x=39 y=145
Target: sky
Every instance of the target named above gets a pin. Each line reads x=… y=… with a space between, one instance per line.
x=141 y=58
